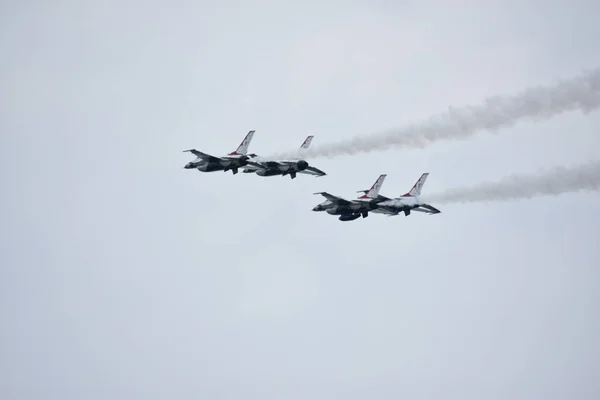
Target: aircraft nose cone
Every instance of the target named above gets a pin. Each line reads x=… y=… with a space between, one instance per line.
x=317 y=208
x=189 y=166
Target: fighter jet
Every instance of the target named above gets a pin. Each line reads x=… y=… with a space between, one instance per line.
x=232 y=161
x=263 y=167
x=407 y=202
x=349 y=210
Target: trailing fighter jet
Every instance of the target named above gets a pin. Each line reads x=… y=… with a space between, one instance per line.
x=407 y=202
x=284 y=167
x=232 y=161
x=349 y=210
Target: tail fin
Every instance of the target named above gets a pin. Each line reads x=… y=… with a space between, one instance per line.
x=307 y=142
x=416 y=189
x=243 y=147
x=374 y=191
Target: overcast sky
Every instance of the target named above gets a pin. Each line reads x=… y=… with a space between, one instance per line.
x=124 y=276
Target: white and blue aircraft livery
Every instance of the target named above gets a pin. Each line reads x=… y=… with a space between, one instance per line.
x=232 y=161
x=263 y=167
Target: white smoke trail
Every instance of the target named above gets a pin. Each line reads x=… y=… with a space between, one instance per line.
x=542 y=102
x=549 y=182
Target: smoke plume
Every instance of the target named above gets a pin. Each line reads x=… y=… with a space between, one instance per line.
x=536 y=103
x=549 y=182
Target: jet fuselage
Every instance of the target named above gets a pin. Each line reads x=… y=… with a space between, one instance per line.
x=221 y=165
x=281 y=169
x=359 y=206
x=403 y=203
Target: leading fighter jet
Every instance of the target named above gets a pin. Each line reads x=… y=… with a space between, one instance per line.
x=232 y=161
x=349 y=210
x=284 y=167
x=407 y=202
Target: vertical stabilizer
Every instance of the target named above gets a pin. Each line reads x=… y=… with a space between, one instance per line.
x=416 y=189
x=374 y=191
x=243 y=147
x=307 y=142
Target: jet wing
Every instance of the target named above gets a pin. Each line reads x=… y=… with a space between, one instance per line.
x=277 y=164
x=312 y=171
x=203 y=156
x=385 y=210
x=428 y=209
x=422 y=210
x=334 y=199
x=264 y=164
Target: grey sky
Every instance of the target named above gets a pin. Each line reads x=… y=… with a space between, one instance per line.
x=125 y=276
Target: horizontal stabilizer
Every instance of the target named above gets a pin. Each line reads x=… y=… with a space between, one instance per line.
x=422 y=210
x=432 y=210
x=313 y=171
